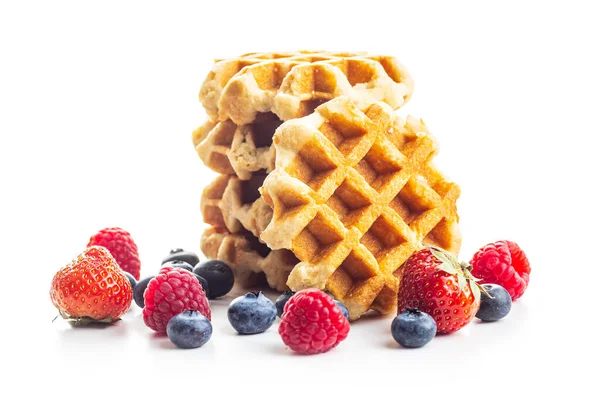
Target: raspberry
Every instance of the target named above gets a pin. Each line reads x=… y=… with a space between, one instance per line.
x=505 y=264
x=171 y=292
x=122 y=248
x=312 y=323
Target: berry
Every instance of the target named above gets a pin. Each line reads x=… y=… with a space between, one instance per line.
x=189 y=329
x=252 y=313
x=131 y=279
x=282 y=300
x=505 y=264
x=204 y=284
x=180 y=255
x=495 y=307
x=178 y=264
x=121 y=246
x=138 y=292
x=218 y=275
x=91 y=288
x=171 y=292
x=413 y=328
x=312 y=323
x=343 y=309
x=435 y=283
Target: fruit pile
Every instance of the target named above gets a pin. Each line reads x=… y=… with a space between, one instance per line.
x=438 y=295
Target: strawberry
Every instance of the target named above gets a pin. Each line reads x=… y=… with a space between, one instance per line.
x=433 y=281
x=91 y=288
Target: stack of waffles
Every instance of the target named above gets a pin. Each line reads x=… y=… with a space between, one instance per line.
x=321 y=183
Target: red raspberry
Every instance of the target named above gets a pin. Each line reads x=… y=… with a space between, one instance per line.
x=505 y=264
x=312 y=323
x=122 y=248
x=171 y=292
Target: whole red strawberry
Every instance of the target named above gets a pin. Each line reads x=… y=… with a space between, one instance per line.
x=312 y=323
x=434 y=282
x=171 y=292
x=503 y=263
x=121 y=246
x=91 y=288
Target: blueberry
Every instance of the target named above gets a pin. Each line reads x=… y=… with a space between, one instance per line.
x=413 y=328
x=132 y=280
x=252 y=313
x=203 y=282
x=282 y=300
x=189 y=329
x=180 y=255
x=178 y=264
x=138 y=291
x=496 y=307
x=343 y=308
x=218 y=275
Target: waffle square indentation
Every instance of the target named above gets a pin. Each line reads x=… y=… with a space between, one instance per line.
x=318 y=239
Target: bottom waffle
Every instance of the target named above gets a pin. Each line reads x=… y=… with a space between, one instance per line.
x=252 y=262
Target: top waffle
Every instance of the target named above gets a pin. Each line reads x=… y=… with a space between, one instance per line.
x=293 y=84
x=354 y=194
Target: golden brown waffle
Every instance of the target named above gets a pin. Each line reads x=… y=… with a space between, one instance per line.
x=230 y=149
x=293 y=84
x=251 y=261
x=354 y=194
x=236 y=205
x=259 y=97
x=238 y=214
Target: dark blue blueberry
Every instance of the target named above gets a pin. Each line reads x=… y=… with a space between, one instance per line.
x=496 y=307
x=413 y=328
x=218 y=275
x=138 y=291
x=343 y=308
x=178 y=264
x=132 y=280
x=203 y=282
x=252 y=313
x=180 y=255
x=282 y=300
x=189 y=329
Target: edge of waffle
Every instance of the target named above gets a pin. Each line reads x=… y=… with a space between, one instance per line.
x=236 y=205
x=242 y=146
x=242 y=150
x=251 y=261
x=237 y=215
x=354 y=194
x=293 y=84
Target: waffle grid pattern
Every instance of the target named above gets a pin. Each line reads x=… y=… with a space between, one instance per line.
x=253 y=94
x=228 y=148
x=354 y=194
x=252 y=262
x=293 y=85
x=236 y=205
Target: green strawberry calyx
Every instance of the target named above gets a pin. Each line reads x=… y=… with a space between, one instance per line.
x=83 y=320
x=462 y=271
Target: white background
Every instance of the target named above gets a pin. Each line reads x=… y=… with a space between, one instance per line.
x=97 y=105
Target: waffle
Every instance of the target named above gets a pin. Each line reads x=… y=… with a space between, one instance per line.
x=293 y=84
x=238 y=214
x=241 y=150
x=270 y=88
x=251 y=261
x=354 y=194
x=235 y=205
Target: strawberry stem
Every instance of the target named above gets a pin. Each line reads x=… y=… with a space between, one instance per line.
x=461 y=270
